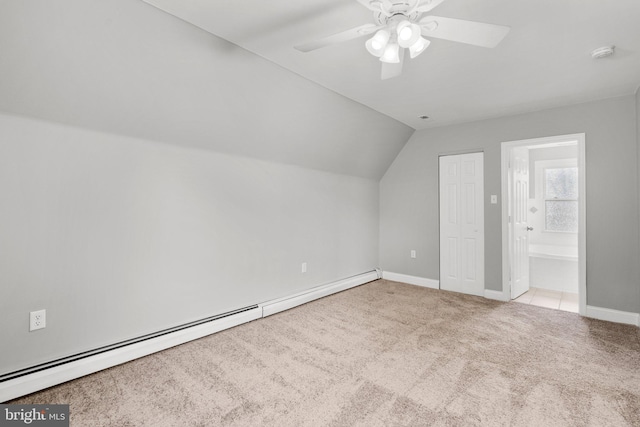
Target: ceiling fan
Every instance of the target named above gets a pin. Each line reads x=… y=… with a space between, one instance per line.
x=401 y=24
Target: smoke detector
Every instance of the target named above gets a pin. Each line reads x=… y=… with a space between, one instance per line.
x=602 y=52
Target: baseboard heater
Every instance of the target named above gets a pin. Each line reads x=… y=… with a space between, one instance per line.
x=85 y=354
x=282 y=304
x=39 y=377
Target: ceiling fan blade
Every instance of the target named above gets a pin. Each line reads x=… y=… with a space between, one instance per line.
x=459 y=30
x=427 y=5
x=392 y=70
x=343 y=36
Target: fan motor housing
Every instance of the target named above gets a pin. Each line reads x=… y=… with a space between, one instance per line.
x=398 y=11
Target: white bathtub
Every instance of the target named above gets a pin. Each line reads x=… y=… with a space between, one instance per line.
x=554 y=267
x=569 y=253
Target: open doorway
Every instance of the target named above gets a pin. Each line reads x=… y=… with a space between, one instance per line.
x=543 y=222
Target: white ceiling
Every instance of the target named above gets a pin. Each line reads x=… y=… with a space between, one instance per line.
x=543 y=62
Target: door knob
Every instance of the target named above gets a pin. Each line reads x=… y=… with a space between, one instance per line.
x=529 y=228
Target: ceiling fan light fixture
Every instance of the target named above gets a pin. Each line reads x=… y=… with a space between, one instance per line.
x=418 y=47
x=400 y=25
x=408 y=33
x=391 y=54
x=376 y=45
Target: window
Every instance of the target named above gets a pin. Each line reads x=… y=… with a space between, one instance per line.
x=561 y=199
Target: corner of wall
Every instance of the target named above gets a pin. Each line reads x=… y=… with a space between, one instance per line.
x=384 y=204
x=404 y=146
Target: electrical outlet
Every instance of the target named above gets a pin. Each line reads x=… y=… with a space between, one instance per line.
x=37 y=320
x=304 y=267
x=413 y=253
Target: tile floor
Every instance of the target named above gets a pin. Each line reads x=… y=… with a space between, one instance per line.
x=565 y=301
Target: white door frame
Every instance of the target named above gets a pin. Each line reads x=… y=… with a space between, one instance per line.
x=582 y=225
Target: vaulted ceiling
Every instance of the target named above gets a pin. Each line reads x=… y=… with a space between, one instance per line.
x=543 y=62
x=223 y=75
x=127 y=68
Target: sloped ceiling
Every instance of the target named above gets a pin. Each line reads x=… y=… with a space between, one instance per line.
x=124 y=67
x=543 y=62
x=237 y=85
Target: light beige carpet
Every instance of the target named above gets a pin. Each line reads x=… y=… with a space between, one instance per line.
x=382 y=354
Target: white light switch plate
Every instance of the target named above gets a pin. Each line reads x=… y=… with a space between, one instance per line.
x=494 y=199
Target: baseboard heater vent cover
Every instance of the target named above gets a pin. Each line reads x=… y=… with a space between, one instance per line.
x=29 y=380
x=282 y=304
x=25 y=381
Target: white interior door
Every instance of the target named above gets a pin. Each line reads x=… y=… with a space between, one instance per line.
x=462 y=223
x=519 y=194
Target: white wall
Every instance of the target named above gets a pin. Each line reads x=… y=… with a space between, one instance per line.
x=409 y=195
x=116 y=237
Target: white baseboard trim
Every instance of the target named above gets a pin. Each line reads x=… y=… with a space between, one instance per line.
x=435 y=284
x=30 y=383
x=496 y=295
x=412 y=280
x=282 y=304
x=613 y=315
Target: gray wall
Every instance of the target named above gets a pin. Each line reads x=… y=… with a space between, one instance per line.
x=148 y=211
x=116 y=237
x=409 y=195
